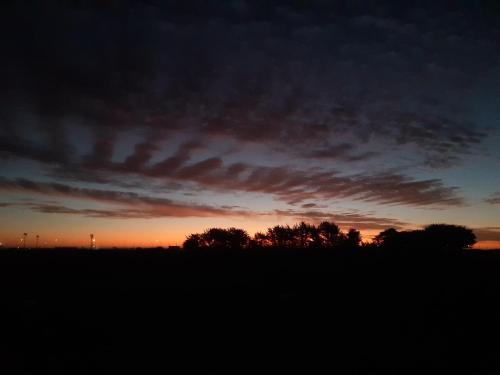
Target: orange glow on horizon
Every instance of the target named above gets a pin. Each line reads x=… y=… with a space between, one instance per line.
x=124 y=237
x=487 y=245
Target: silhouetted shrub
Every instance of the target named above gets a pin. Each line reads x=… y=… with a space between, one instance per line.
x=329 y=234
x=193 y=241
x=300 y=236
x=449 y=237
x=217 y=238
x=437 y=238
x=443 y=238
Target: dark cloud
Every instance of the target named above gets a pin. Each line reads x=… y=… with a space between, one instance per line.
x=122 y=213
x=342 y=151
x=135 y=205
x=198 y=171
x=266 y=78
x=493 y=198
x=127 y=205
x=103 y=147
x=286 y=183
x=334 y=151
x=323 y=84
x=488 y=233
x=14 y=146
x=143 y=152
x=346 y=219
x=309 y=205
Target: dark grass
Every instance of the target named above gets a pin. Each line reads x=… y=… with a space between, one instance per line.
x=82 y=311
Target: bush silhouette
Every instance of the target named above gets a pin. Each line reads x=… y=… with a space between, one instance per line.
x=300 y=236
x=440 y=238
x=449 y=237
x=329 y=234
x=444 y=238
x=306 y=235
x=217 y=238
x=193 y=241
x=353 y=239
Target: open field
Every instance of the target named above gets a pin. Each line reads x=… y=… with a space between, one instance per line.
x=80 y=311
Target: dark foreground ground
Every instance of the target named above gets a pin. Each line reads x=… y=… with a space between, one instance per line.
x=79 y=312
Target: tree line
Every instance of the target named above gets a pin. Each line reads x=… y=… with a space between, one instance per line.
x=328 y=235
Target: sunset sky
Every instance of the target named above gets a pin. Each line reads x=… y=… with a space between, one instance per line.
x=146 y=122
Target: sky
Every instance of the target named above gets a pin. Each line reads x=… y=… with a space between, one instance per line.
x=144 y=121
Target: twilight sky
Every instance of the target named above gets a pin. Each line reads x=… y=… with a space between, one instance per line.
x=144 y=121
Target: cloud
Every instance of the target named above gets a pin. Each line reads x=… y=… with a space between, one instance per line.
x=286 y=183
x=345 y=219
x=493 y=198
x=127 y=213
x=127 y=205
x=154 y=72
x=488 y=233
x=173 y=162
x=309 y=205
x=341 y=151
x=165 y=209
x=199 y=170
x=130 y=204
x=333 y=97
x=14 y=146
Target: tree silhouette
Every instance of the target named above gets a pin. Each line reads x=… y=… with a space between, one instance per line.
x=449 y=237
x=386 y=238
x=218 y=238
x=305 y=235
x=281 y=236
x=193 y=241
x=328 y=234
x=444 y=238
x=353 y=238
x=215 y=238
x=261 y=240
x=237 y=238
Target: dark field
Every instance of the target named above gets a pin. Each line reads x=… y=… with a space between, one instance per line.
x=79 y=312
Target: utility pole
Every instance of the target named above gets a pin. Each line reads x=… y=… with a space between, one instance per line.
x=36 y=241
x=92 y=242
x=25 y=236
